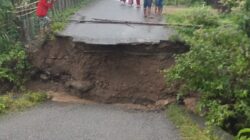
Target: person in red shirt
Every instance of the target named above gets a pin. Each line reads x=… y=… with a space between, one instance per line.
x=43 y=7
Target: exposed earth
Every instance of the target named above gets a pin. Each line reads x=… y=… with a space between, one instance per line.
x=125 y=73
x=107 y=63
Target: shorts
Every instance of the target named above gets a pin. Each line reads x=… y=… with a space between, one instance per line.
x=159 y=3
x=147 y=3
x=44 y=21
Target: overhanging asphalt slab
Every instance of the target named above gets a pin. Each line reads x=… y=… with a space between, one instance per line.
x=96 y=33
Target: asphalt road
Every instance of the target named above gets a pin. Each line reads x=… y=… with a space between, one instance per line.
x=61 y=121
x=93 y=33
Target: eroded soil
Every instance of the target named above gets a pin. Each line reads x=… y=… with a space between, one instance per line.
x=125 y=73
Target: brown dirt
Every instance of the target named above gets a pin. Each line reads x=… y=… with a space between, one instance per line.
x=5 y=86
x=125 y=73
x=191 y=104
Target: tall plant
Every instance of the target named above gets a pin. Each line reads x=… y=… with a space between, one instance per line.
x=12 y=54
x=217 y=67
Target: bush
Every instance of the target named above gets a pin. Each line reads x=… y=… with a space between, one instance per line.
x=218 y=68
x=187 y=126
x=12 y=55
x=12 y=62
x=184 y=2
x=11 y=103
x=2 y=108
x=205 y=16
x=244 y=134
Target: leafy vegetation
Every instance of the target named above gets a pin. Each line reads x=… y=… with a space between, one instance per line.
x=244 y=134
x=12 y=103
x=217 y=67
x=13 y=64
x=12 y=55
x=184 y=2
x=61 y=19
x=188 y=129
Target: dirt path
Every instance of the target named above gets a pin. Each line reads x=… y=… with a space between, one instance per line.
x=58 y=121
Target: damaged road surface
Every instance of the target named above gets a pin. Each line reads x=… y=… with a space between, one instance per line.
x=95 y=33
x=108 y=63
x=101 y=63
x=122 y=73
x=57 y=121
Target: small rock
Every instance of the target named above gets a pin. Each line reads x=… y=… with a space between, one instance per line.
x=82 y=86
x=191 y=103
x=47 y=72
x=44 y=77
x=163 y=45
x=162 y=102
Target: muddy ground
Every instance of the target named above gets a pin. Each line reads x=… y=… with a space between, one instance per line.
x=124 y=73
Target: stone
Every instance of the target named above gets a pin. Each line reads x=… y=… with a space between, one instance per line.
x=81 y=86
x=162 y=103
x=44 y=77
x=191 y=103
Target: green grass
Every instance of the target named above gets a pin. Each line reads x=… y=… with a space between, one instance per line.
x=188 y=129
x=61 y=19
x=11 y=103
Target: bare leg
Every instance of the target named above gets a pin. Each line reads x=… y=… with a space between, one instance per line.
x=160 y=11
x=149 y=11
x=138 y=2
x=130 y=2
x=123 y=1
x=145 y=12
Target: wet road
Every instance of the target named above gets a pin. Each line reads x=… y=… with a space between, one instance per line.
x=113 y=33
x=58 y=121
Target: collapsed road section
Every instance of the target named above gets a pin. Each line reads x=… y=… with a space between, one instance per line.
x=121 y=73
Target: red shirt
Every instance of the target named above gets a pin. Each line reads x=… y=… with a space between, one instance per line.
x=42 y=8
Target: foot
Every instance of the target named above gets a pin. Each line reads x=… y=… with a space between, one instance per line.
x=151 y=16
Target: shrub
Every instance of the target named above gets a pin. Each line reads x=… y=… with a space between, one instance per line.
x=12 y=61
x=244 y=134
x=218 y=68
x=12 y=55
x=2 y=108
x=11 y=103
x=184 y=2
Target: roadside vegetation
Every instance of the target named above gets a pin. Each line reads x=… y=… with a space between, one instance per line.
x=13 y=62
x=217 y=67
x=13 y=102
x=13 y=57
x=14 y=65
x=189 y=130
x=61 y=19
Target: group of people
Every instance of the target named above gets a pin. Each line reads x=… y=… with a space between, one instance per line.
x=44 y=5
x=147 y=4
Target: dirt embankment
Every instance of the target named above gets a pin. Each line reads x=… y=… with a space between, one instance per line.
x=125 y=73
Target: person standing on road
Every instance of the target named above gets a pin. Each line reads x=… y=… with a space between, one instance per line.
x=123 y=1
x=138 y=2
x=42 y=10
x=158 y=7
x=147 y=7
